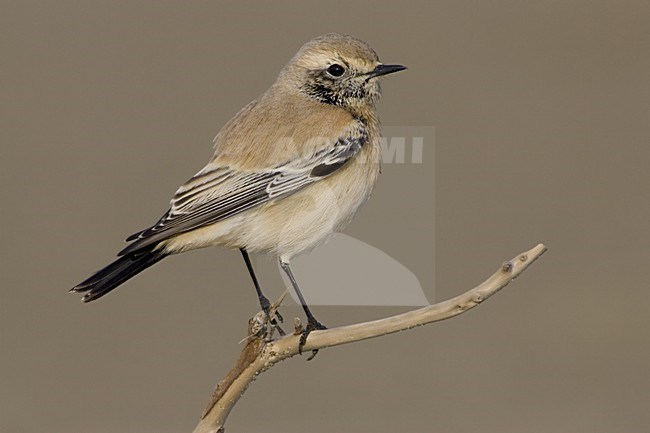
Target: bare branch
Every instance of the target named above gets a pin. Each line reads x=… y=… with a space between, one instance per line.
x=261 y=353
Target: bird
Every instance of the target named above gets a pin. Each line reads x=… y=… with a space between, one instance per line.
x=289 y=169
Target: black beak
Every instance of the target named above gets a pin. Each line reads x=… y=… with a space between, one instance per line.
x=385 y=69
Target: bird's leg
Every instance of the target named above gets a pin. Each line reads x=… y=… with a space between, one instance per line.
x=264 y=301
x=312 y=323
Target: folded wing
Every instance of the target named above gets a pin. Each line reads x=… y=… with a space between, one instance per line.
x=218 y=192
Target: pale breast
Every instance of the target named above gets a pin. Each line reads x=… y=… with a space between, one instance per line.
x=304 y=220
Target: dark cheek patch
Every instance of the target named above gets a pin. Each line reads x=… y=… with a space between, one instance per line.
x=322 y=93
x=328 y=91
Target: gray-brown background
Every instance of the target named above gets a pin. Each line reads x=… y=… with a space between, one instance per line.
x=541 y=112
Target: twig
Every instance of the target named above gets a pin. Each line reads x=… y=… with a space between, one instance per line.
x=261 y=353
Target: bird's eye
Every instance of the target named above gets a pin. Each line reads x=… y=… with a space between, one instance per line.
x=336 y=70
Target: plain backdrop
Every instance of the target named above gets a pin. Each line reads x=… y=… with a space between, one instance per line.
x=541 y=113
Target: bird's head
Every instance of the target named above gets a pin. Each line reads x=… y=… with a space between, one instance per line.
x=338 y=70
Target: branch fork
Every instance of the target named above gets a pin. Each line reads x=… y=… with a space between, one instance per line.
x=262 y=351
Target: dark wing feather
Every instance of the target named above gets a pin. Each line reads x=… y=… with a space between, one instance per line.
x=216 y=193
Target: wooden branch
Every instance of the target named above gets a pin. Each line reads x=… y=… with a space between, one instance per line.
x=262 y=352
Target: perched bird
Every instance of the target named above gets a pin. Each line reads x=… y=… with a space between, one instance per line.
x=288 y=170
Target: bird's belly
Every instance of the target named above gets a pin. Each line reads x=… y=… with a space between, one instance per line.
x=298 y=223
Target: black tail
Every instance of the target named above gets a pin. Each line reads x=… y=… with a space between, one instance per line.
x=105 y=280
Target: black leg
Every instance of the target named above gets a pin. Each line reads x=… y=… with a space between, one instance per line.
x=312 y=323
x=264 y=301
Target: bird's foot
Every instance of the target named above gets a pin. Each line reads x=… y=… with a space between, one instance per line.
x=276 y=325
x=312 y=325
x=272 y=313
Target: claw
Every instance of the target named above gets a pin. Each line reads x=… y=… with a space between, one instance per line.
x=274 y=315
x=312 y=325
